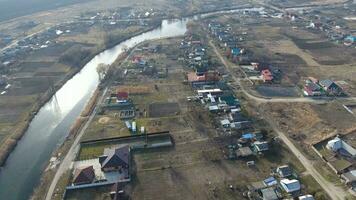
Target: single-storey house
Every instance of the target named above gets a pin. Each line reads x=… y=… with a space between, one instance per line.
x=331 y=87
x=350 y=178
x=339 y=146
x=260 y=146
x=237 y=117
x=290 y=186
x=266 y=75
x=85 y=175
x=116 y=159
x=230 y=100
x=225 y=123
x=312 y=89
x=214 y=108
x=122 y=96
x=195 y=78
x=284 y=171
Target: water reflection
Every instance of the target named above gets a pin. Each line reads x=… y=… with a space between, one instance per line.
x=52 y=123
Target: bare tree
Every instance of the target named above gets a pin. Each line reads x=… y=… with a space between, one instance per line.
x=102 y=69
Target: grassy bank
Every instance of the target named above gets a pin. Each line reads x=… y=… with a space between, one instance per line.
x=10 y=143
x=46 y=177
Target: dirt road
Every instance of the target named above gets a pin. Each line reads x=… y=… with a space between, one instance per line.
x=333 y=191
x=74 y=149
x=318 y=100
x=336 y=193
x=72 y=153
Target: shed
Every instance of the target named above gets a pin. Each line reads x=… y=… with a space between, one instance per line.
x=270 y=181
x=248 y=136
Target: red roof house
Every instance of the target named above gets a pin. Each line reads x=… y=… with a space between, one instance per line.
x=266 y=75
x=193 y=77
x=122 y=95
x=84 y=175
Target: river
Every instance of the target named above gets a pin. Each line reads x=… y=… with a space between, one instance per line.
x=22 y=171
x=49 y=128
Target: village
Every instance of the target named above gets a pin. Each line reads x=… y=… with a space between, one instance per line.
x=172 y=100
x=232 y=136
x=251 y=102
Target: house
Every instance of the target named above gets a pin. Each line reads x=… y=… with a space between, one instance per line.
x=235 y=51
x=284 y=171
x=248 y=136
x=241 y=125
x=238 y=121
x=260 y=146
x=214 y=109
x=225 y=123
x=312 y=89
x=306 y=197
x=266 y=75
x=203 y=78
x=269 y=194
x=215 y=92
x=122 y=96
x=350 y=178
x=230 y=100
x=84 y=175
x=339 y=146
x=290 y=186
x=349 y=40
x=138 y=60
x=255 y=66
x=237 y=117
x=331 y=87
x=115 y=159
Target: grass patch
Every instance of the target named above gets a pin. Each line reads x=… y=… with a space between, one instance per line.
x=313 y=188
x=280 y=154
x=99 y=193
x=92 y=151
x=112 y=128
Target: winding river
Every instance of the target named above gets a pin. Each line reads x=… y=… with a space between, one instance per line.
x=49 y=128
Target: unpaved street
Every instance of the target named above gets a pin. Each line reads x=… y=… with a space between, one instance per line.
x=336 y=193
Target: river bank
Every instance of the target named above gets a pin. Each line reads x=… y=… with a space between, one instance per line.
x=10 y=143
x=59 y=153
x=60 y=121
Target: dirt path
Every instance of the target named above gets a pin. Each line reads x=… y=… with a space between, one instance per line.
x=74 y=149
x=318 y=100
x=72 y=153
x=336 y=193
x=333 y=191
